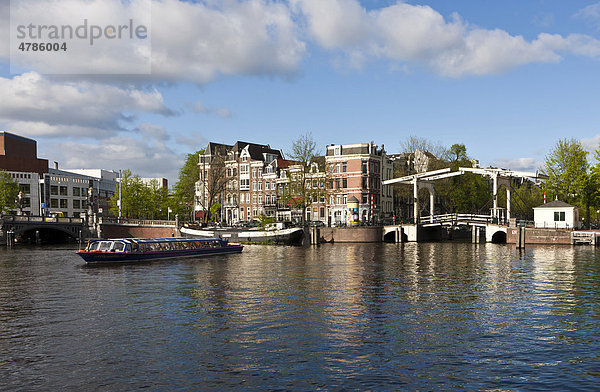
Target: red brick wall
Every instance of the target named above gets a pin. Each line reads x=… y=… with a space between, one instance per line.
x=539 y=236
x=120 y=231
x=20 y=154
x=352 y=234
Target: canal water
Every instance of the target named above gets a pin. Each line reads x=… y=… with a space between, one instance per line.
x=378 y=317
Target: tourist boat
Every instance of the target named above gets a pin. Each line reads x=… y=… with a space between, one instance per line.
x=274 y=233
x=125 y=250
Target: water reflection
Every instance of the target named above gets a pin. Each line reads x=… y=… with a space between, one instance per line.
x=356 y=316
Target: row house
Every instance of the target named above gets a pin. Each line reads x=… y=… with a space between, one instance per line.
x=242 y=177
x=294 y=184
x=251 y=180
x=358 y=170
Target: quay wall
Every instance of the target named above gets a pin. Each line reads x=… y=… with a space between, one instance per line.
x=540 y=236
x=351 y=234
x=108 y=230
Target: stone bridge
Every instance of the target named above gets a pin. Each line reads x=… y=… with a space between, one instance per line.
x=32 y=226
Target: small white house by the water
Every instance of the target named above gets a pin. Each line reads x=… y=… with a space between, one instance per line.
x=556 y=215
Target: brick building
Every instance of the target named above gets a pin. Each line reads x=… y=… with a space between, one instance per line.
x=358 y=170
x=240 y=177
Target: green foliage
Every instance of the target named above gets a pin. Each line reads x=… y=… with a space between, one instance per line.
x=265 y=220
x=185 y=188
x=9 y=190
x=565 y=165
x=139 y=200
x=524 y=198
x=215 y=212
x=303 y=187
x=458 y=152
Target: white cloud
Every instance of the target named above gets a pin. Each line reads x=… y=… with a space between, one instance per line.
x=143 y=156
x=191 y=41
x=522 y=164
x=198 y=107
x=414 y=33
x=591 y=13
x=591 y=144
x=194 y=141
x=38 y=106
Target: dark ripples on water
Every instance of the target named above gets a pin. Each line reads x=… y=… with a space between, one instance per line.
x=337 y=317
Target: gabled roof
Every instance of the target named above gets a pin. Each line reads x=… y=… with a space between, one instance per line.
x=555 y=204
x=217 y=149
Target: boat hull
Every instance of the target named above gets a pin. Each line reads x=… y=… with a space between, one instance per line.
x=284 y=236
x=133 y=257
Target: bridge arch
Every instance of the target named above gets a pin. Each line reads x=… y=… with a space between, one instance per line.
x=495 y=234
x=46 y=234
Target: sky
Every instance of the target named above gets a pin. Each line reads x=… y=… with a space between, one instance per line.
x=506 y=78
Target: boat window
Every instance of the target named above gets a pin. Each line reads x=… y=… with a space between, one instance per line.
x=128 y=248
x=105 y=246
x=119 y=247
x=94 y=245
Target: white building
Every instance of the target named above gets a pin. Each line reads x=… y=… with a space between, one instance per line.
x=556 y=214
x=66 y=192
x=29 y=186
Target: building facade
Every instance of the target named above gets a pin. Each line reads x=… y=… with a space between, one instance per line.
x=240 y=178
x=358 y=170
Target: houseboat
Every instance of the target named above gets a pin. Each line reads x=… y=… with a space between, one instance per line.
x=274 y=233
x=127 y=250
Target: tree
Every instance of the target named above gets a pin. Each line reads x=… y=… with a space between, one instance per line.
x=304 y=185
x=140 y=200
x=413 y=143
x=458 y=152
x=185 y=188
x=588 y=191
x=565 y=165
x=214 y=179
x=9 y=190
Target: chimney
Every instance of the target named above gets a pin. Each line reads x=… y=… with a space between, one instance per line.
x=55 y=165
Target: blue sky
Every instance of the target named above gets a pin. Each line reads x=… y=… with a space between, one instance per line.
x=506 y=78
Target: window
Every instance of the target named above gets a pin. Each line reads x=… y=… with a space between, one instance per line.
x=53 y=189
x=337 y=184
x=228 y=172
x=254 y=198
x=364 y=167
x=63 y=191
x=365 y=198
x=559 y=216
x=76 y=204
x=235 y=171
x=260 y=199
x=260 y=185
x=267 y=185
x=76 y=191
x=63 y=203
x=53 y=203
x=344 y=167
x=344 y=183
x=364 y=182
x=244 y=169
x=337 y=168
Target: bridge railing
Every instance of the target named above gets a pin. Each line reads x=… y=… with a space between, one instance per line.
x=456 y=218
x=38 y=219
x=138 y=222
